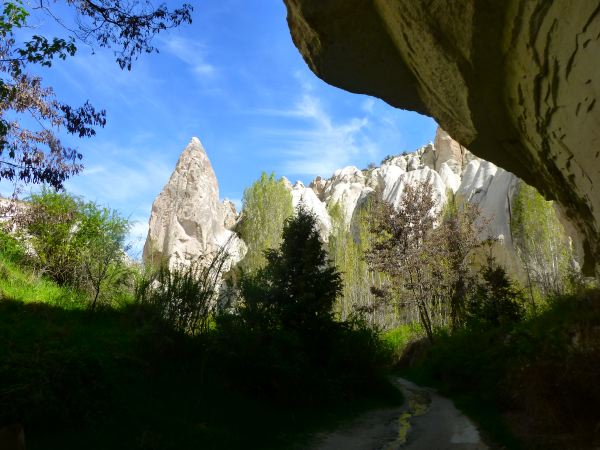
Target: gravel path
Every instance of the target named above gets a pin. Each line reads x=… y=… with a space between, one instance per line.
x=426 y=421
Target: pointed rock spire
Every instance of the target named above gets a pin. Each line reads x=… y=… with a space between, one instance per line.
x=187 y=218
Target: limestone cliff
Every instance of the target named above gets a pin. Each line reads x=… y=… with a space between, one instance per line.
x=516 y=81
x=187 y=218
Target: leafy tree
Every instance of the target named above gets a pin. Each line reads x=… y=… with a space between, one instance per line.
x=456 y=238
x=36 y=155
x=267 y=204
x=48 y=225
x=347 y=245
x=285 y=340
x=101 y=237
x=74 y=242
x=401 y=250
x=541 y=243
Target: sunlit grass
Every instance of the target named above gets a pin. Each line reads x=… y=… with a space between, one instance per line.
x=28 y=286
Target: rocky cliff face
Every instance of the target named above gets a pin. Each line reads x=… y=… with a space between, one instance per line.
x=446 y=165
x=187 y=218
x=516 y=81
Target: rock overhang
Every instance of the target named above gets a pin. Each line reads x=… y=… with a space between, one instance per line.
x=515 y=81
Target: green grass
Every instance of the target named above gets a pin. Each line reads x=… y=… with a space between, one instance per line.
x=113 y=380
x=27 y=286
x=398 y=338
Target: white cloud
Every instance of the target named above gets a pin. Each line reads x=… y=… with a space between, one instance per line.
x=191 y=52
x=124 y=177
x=317 y=144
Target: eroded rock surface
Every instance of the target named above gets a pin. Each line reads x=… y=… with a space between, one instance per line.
x=515 y=81
x=450 y=168
x=188 y=219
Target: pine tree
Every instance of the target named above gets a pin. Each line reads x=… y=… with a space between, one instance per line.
x=298 y=287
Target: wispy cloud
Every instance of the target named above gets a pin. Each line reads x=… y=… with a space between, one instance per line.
x=192 y=53
x=316 y=144
x=122 y=176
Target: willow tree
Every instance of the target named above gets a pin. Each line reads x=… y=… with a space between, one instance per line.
x=266 y=206
x=541 y=243
x=455 y=240
x=347 y=246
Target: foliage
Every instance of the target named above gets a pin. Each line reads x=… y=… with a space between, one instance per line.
x=284 y=339
x=347 y=245
x=298 y=287
x=114 y=379
x=534 y=378
x=36 y=155
x=110 y=381
x=101 y=235
x=456 y=238
x=266 y=206
x=427 y=259
x=25 y=285
x=48 y=224
x=11 y=248
x=75 y=243
x=400 y=250
x=496 y=302
x=541 y=243
x=186 y=296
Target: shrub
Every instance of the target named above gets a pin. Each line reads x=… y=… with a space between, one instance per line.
x=11 y=248
x=49 y=225
x=76 y=243
x=186 y=297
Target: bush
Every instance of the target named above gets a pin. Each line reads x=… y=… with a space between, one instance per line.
x=11 y=248
x=49 y=225
x=76 y=243
x=186 y=297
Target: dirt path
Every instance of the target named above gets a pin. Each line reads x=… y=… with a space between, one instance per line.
x=426 y=421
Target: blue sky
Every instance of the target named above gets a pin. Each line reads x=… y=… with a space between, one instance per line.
x=235 y=80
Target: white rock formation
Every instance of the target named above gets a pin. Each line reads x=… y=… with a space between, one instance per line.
x=302 y=195
x=448 y=166
x=187 y=219
x=230 y=214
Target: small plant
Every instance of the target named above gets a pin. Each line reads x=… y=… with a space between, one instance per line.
x=387 y=159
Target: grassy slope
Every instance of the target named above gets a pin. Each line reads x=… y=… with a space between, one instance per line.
x=105 y=380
